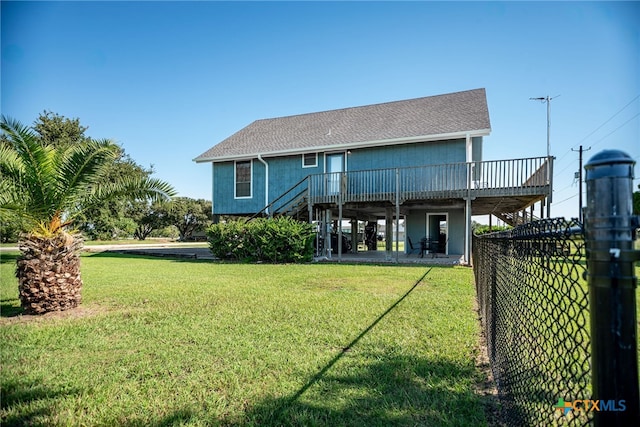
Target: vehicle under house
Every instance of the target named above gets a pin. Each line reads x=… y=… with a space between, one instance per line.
x=419 y=160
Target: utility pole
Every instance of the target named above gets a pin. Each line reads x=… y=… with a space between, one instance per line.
x=580 y=151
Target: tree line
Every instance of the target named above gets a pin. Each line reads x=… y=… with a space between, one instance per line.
x=118 y=217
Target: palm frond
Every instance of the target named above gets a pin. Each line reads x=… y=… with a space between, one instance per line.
x=37 y=165
x=11 y=172
x=83 y=166
x=137 y=188
x=50 y=185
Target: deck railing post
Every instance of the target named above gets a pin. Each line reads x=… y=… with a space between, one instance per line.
x=550 y=184
x=467 y=223
x=398 y=214
x=609 y=237
x=309 y=204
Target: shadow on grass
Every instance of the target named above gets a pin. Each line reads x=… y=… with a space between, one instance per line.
x=177 y=418
x=188 y=256
x=28 y=402
x=8 y=309
x=169 y=256
x=9 y=257
x=396 y=390
x=333 y=361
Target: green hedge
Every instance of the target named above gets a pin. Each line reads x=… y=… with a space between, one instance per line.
x=484 y=229
x=274 y=240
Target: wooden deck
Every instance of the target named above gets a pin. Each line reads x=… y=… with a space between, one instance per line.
x=505 y=185
x=496 y=186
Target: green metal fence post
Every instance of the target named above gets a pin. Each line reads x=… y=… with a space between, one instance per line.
x=609 y=233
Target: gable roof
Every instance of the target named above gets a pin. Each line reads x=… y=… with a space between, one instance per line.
x=439 y=117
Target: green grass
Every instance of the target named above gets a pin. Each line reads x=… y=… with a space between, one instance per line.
x=148 y=241
x=164 y=342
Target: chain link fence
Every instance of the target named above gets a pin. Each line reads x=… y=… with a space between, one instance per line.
x=534 y=307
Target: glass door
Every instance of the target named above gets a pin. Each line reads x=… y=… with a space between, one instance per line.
x=335 y=167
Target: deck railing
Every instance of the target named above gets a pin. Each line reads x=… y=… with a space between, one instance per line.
x=454 y=180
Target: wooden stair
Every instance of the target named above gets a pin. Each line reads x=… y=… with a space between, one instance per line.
x=516 y=218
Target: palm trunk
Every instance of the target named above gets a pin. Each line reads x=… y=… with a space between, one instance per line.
x=48 y=272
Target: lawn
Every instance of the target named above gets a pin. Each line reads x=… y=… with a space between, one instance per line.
x=166 y=342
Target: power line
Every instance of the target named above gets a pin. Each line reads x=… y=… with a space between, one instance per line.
x=599 y=127
x=609 y=119
x=565 y=188
x=568 y=198
x=616 y=129
x=557 y=174
x=563 y=169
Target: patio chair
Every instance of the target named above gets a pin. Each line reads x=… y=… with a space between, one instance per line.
x=412 y=248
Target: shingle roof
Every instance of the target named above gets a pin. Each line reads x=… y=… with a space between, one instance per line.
x=450 y=115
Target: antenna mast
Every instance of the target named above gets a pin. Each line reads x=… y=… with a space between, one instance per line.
x=547 y=99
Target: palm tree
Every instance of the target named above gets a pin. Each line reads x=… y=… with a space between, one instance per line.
x=48 y=186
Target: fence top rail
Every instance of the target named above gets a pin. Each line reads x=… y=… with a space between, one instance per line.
x=544 y=228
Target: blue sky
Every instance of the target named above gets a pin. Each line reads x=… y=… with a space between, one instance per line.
x=168 y=80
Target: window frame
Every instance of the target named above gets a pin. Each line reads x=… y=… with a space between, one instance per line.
x=314 y=165
x=235 y=179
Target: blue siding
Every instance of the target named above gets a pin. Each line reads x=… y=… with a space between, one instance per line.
x=223 y=190
x=286 y=171
x=405 y=155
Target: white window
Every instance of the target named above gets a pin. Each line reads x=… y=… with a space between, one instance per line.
x=310 y=160
x=243 y=174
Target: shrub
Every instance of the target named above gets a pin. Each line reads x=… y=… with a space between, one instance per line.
x=274 y=240
x=226 y=239
x=170 y=231
x=484 y=229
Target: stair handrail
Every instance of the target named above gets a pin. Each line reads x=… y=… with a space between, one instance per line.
x=259 y=213
x=299 y=195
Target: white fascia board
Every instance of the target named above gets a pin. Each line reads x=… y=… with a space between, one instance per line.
x=350 y=145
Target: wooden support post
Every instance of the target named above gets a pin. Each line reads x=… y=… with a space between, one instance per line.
x=388 y=232
x=354 y=235
x=467 y=231
x=327 y=234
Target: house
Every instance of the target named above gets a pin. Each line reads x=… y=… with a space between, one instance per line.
x=418 y=159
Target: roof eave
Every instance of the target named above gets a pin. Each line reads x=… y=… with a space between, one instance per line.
x=349 y=145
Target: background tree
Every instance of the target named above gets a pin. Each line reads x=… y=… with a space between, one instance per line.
x=49 y=185
x=55 y=130
x=149 y=217
x=636 y=201
x=10 y=227
x=189 y=215
x=112 y=220
x=101 y=222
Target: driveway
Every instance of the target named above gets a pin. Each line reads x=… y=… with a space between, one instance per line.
x=174 y=250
